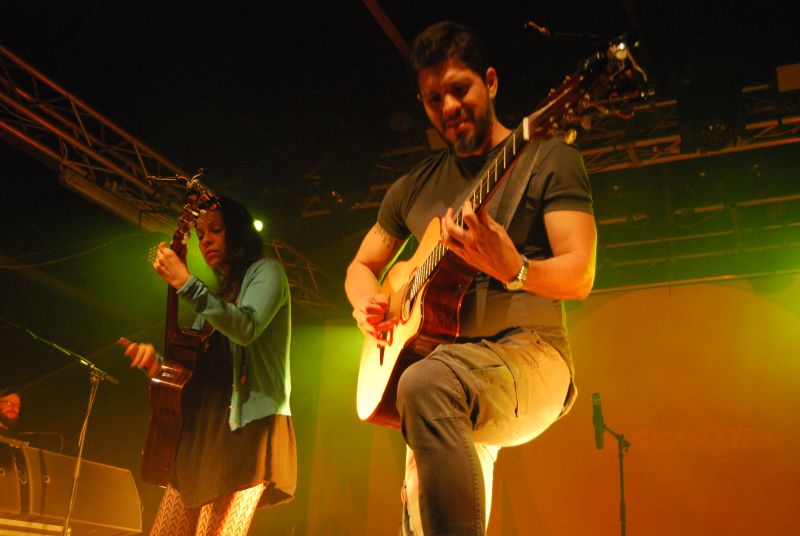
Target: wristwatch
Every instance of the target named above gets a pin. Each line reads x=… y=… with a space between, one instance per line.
x=522 y=275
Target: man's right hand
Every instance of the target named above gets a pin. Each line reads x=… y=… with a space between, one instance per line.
x=371 y=316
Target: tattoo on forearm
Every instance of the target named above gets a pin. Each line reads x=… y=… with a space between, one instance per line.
x=388 y=240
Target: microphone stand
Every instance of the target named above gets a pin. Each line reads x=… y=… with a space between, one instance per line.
x=96 y=375
x=622 y=446
x=592 y=39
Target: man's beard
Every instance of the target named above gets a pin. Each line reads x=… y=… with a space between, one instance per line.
x=7 y=422
x=467 y=143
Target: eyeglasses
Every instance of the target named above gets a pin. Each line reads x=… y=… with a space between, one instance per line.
x=9 y=403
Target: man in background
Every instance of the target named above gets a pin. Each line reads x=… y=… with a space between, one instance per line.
x=9 y=411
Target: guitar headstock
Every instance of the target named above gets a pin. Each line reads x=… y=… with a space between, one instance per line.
x=609 y=81
x=199 y=200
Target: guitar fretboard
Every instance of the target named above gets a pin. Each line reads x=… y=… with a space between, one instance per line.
x=488 y=180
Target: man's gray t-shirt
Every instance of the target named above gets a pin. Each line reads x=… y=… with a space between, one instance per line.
x=558 y=182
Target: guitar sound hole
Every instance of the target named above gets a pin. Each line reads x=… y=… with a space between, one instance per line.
x=408 y=301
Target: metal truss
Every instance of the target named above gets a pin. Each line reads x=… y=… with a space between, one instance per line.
x=651 y=137
x=93 y=156
x=101 y=161
x=304 y=278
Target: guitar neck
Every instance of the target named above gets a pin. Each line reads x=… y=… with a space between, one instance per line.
x=488 y=180
x=178 y=245
x=172 y=327
x=493 y=172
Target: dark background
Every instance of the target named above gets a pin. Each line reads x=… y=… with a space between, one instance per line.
x=283 y=101
x=279 y=100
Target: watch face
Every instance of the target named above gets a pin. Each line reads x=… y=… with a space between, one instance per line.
x=514 y=285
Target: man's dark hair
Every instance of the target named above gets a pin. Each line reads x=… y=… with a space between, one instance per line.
x=243 y=245
x=444 y=41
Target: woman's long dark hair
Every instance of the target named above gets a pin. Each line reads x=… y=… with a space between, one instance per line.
x=243 y=246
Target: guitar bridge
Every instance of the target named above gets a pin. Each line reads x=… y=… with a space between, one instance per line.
x=388 y=337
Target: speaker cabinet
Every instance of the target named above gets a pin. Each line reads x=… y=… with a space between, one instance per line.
x=107 y=502
x=10 y=492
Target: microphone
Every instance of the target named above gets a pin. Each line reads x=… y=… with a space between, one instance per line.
x=533 y=26
x=593 y=39
x=597 y=420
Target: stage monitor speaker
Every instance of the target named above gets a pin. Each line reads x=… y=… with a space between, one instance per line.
x=106 y=504
x=10 y=493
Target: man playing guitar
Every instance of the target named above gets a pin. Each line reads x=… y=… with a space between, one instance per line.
x=508 y=375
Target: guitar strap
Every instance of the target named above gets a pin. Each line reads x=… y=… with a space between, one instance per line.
x=503 y=206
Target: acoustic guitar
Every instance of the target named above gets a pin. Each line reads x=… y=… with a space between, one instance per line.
x=426 y=291
x=182 y=347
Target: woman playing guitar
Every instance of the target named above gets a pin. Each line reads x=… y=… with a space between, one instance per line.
x=237 y=446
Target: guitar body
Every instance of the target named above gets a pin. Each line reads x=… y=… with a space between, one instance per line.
x=427 y=320
x=167 y=389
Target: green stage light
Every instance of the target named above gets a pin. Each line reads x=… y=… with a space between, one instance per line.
x=259 y=225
